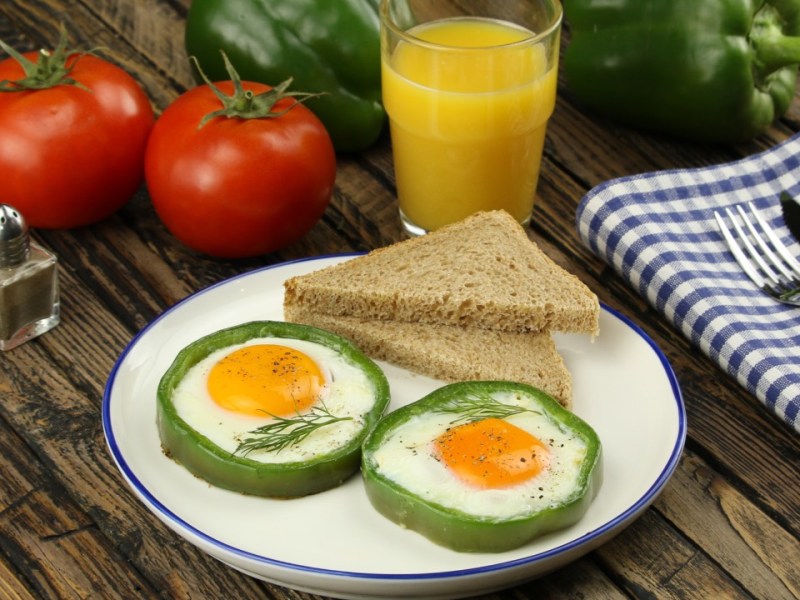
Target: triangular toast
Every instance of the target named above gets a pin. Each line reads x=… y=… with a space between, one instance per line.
x=481 y=272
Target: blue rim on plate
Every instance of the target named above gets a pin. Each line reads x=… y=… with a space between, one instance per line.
x=597 y=535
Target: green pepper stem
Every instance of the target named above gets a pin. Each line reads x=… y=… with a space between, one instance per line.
x=772 y=49
x=777 y=51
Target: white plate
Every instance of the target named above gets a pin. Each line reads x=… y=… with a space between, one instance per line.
x=334 y=543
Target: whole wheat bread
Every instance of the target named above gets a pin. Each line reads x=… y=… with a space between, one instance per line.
x=481 y=272
x=453 y=353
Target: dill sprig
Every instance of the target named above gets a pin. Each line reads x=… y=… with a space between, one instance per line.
x=477 y=407
x=288 y=431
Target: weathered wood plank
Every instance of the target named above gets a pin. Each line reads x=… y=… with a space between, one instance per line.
x=52 y=544
x=652 y=560
x=578 y=581
x=11 y=586
x=153 y=29
x=747 y=541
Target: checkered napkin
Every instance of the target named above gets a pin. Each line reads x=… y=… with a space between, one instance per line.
x=658 y=231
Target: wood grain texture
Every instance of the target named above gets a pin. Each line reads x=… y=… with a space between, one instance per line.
x=726 y=526
x=703 y=505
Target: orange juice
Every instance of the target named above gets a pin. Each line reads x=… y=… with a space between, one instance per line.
x=468 y=108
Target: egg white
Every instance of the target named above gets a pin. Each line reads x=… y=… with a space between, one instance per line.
x=407 y=457
x=347 y=393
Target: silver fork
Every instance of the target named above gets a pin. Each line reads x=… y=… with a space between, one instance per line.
x=770 y=265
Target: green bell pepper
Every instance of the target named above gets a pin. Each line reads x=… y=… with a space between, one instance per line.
x=445 y=520
x=330 y=47
x=237 y=472
x=705 y=70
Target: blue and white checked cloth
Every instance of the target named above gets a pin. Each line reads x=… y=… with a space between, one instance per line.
x=657 y=230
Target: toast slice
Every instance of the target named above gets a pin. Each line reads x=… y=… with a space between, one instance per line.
x=481 y=272
x=453 y=353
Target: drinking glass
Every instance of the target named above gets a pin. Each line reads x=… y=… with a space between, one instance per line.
x=469 y=87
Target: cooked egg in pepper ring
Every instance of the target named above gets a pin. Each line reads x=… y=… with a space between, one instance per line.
x=482 y=466
x=270 y=408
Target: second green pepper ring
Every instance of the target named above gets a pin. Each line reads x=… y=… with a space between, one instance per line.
x=482 y=466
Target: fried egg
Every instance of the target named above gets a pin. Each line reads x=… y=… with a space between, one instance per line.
x=488 y=468
x=482 y=452
x=270 y=408
x=237 y=389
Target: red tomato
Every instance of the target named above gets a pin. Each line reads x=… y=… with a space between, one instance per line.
x=238 y=187
x=71 y=156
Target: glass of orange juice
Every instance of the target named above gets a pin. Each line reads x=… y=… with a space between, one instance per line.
x=468 y=87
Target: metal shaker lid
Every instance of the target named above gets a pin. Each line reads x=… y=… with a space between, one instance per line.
x=14 y=237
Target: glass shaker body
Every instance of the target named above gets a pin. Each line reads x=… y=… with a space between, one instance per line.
x=29 y=298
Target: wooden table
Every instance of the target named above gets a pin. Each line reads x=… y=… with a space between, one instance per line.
x=726 y=525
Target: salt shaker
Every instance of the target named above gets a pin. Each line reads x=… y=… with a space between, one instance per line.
x=29 y=301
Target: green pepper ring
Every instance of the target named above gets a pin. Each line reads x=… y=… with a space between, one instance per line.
x=459 y=530
x=220 y=467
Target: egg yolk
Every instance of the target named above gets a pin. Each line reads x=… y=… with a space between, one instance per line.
x=491 y=453
x=265 y=378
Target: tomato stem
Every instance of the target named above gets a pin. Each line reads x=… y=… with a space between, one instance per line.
x=244 y=104
x=48 y=71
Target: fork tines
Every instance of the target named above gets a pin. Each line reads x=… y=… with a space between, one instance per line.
x=765 y=259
